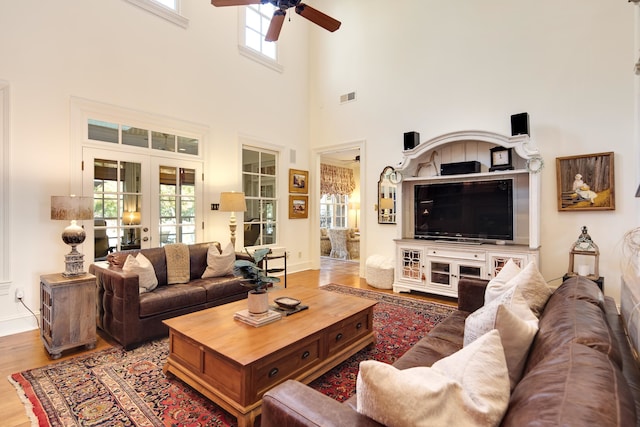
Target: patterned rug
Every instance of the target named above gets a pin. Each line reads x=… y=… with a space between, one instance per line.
x=114 y=387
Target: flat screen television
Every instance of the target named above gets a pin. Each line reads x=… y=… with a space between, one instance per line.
x=465 y=211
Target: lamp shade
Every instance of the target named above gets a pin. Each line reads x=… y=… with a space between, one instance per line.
x=132 y=218
x=386 y=203
x=232 y=201
x=71 y=208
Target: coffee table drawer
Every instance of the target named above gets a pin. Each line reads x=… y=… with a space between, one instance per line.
x=286 y=364
x=349 y=330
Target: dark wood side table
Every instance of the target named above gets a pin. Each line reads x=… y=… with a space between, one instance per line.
x=68 y=312
x=271 y=257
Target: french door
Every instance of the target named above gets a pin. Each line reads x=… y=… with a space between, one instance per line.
x=140 y=201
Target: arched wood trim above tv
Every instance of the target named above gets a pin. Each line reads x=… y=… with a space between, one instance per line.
x=469 y=145
x=522 y=144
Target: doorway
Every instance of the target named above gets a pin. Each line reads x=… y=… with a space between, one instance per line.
x=340 y=211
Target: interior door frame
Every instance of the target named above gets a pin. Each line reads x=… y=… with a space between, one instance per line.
x=315 y=193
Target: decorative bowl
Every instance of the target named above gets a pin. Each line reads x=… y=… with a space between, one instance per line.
x=287 y=302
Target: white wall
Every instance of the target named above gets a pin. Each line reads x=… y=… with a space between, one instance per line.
x=436 y=66
x=116 y=53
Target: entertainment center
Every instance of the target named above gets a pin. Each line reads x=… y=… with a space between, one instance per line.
x=465 y=224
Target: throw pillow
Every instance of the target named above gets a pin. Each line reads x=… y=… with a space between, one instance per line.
x=516 y=323
x=468 y=388
x=532 y=285
x=498 y=284
x=219 y=264
x=140 y=265
x=178 y=263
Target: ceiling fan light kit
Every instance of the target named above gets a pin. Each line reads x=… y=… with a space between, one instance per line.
x=319 y=18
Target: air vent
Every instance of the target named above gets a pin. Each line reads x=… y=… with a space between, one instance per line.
x=347 y=97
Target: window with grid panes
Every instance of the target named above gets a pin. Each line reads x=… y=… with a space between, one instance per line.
x=259 y=183
x=257 y=20
x=333 y=211
x=177 y=205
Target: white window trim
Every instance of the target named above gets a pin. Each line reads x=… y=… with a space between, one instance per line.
x=251 y=53
x=162 y=11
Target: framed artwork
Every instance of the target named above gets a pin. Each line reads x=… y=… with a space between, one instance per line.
x=298 y=207
x=298 y=181
x=585 y=182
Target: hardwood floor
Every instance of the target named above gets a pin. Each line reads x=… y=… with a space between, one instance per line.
x=25 y=350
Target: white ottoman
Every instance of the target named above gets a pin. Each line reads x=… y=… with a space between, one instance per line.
x=379 y=272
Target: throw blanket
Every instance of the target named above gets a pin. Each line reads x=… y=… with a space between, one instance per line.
x=178 y=264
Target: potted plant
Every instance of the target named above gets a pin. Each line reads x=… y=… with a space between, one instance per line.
x=255 y=278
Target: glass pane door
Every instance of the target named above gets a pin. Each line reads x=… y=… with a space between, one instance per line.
x=141 y=201
x=177 y=185
x=121 y=201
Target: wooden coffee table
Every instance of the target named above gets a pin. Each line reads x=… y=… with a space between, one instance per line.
x=234 y=364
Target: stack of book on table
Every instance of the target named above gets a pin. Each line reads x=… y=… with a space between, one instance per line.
x=257 y=319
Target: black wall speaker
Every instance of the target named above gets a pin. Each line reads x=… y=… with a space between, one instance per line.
x=520 y=124
x=411 y=140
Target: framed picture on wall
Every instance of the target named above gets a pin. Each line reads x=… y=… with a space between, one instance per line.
x=298 y=207
x=585 y=182
x=298 y=181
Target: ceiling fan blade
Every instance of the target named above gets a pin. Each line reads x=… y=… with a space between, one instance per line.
x=275 y=26
x=234 y=2
x=317 y=17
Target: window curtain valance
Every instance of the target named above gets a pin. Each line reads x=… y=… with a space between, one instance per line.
x=335 y=180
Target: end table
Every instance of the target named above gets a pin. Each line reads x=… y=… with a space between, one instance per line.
x=68 y=312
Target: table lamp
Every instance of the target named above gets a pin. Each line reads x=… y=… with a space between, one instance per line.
x=232 y=201
x=72 y=208
x=132 y=218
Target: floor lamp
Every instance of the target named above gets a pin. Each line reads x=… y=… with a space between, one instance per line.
x=233 y=202
x=355 y=206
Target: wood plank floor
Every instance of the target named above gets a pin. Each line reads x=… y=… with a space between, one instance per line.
x=25 y=350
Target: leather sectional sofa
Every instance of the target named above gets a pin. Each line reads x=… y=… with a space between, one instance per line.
x=580 y=369
x=131 y=318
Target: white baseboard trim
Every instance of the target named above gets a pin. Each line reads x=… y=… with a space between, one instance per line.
x=18 y=324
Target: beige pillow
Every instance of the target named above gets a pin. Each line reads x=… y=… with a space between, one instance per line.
x=468 y=388
x=516 y=323
x=140 y=265
x=219 y=264
x=498 y=284
x=532 y=285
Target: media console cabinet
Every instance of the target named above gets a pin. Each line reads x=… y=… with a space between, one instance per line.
x=436 y=266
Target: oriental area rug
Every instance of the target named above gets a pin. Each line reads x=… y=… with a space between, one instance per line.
x=114 y=387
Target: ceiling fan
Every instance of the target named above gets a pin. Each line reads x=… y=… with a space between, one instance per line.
x=306 y=11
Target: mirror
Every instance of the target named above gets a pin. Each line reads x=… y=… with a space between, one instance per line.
x=387 y=197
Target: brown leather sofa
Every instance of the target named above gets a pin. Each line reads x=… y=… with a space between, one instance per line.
x=132 y=318
x=580 y=369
